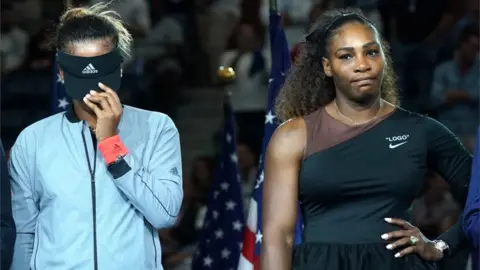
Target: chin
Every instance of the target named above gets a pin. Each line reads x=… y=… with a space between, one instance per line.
x=365 y=96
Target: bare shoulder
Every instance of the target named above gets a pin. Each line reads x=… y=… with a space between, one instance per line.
x=289 y=138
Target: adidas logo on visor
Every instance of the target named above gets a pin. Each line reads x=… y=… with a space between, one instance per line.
x=89 y=69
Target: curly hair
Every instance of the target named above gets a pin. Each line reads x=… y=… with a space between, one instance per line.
x=307 y=88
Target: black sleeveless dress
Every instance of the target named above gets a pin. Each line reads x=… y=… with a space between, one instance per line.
x=354 y=177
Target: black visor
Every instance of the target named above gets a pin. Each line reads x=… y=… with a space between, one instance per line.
x=82 y=74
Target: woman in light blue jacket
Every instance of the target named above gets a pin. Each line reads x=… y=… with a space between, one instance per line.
x=92 y=185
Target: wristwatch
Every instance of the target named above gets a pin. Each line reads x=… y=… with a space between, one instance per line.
x=442 y=246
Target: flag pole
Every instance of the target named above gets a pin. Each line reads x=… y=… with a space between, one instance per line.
x=226 y=76
x=273 y=5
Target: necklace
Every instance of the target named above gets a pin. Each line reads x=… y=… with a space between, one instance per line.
x=354 y=122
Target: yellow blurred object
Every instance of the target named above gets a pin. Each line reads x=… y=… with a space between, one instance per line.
x=225 y=74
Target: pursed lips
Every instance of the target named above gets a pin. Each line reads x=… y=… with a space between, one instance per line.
x=364 y=80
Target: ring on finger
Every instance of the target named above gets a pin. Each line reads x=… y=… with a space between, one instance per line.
x=413 y=240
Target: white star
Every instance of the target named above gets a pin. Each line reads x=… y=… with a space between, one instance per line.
x=230 y=205
x=224 y=185
x=207 y=261
x=225 y=253
x=215 y=214
x=234 y=158
x=215 y=194
x=228 y=138
x=283 y=73
x=59 y=78
x=219 y=234
x=63 y=103
x=270 y=80
x=237 y=225
x=258 y=237
x=269 y=117
x=259 y=180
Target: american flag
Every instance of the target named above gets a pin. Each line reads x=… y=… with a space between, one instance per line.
x=252 y=241
x=221 y=240
x=59 y=101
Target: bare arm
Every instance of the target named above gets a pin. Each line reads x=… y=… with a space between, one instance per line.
x=282 y=164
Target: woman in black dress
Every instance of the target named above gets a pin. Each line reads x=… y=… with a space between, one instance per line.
x=354 y=159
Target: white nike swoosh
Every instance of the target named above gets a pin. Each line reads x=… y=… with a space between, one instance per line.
x=392 y=146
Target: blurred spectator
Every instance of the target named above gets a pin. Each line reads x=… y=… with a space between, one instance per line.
x=30 y=21
x=223 y=16
x=247 y=163
x=134 y=13
x=250 y=89
x=317 y=9
x=434 y=213
x=178 y=242
x=170 y=26
x=161 y=57
x=471 y=17
x=417 y=28
x=369 y=7
x=13 y=40
x=295 y=15
x=40 y=52
x=455 y=87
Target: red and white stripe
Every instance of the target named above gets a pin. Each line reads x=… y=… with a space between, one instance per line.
x=247 y=258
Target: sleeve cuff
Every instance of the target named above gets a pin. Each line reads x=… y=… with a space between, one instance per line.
x=111 y=148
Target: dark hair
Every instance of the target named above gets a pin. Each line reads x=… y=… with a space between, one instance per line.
x=307 y=88
x=468 y=31
x=84 y=24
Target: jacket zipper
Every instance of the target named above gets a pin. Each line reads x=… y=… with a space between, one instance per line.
x=93 y=191
x=94 y=214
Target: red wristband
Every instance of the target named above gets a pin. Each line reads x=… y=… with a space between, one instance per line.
x=111 y=148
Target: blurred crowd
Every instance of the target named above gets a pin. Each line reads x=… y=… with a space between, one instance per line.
x=180 y=43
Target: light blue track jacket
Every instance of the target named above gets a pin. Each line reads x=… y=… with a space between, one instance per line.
x=53 y=194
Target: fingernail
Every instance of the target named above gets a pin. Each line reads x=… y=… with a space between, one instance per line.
x=384 y=236
x=397 y=255
x=92 y=92
x=389 y=246
x=88 y=96
x=84 y=99
x=387 y=219
x=100 y=84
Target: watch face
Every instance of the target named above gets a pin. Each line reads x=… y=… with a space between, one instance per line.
x=441 y=245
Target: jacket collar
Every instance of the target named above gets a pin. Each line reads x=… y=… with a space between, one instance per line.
x=71 y=115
